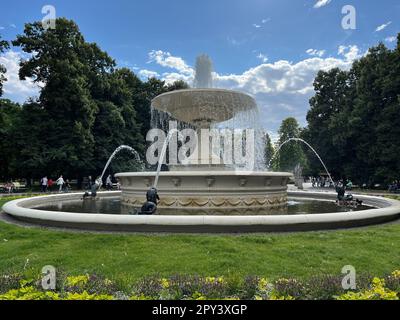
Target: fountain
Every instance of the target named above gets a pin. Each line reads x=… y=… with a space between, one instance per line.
x=204 y=193
x=205 y=182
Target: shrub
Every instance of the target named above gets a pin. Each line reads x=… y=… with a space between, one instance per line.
x=377 y=292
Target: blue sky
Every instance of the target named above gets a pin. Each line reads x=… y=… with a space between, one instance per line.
x=270 y=49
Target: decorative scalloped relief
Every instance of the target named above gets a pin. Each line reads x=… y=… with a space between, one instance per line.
x=185 y=202
x=201 y=203
x=234 y=202
x=168 y=202
x=218 y=202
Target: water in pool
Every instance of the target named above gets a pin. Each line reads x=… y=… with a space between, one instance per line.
x=114 y=206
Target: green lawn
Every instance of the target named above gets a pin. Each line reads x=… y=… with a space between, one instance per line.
x=127 y=257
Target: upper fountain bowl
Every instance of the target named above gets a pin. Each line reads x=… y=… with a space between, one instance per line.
x=201 y=107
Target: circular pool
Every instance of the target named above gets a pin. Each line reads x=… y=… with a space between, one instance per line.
x=305 y=211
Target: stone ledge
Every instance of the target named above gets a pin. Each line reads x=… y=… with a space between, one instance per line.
x=207 y=224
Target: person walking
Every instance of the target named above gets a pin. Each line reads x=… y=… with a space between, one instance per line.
x=67 y=186
x=89 y=183
x=60 y=183
x=109 y=183
x=349 y=185
x=49 y=184
x=43 y=184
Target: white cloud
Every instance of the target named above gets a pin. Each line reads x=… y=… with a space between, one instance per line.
x=255 y=25
x=383 y=26
x=236 y=42
x=391 y=39
x=12 y=25
x=14 y=88
x=321 y=3
x=144 y=73
x=2 y=28
x=262 y=57
x=171 y=77
x=265 y=20
x=351 y=52
x=165 y=59
x=315 y=52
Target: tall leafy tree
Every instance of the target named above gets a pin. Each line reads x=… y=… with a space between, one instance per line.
x=327 y=129
x=69 y=69
x=375 y=115
x=116 y=121
x=354 y=118
x=9 y=113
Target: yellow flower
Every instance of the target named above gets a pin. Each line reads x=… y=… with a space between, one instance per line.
x=262 y=284
x=377 y=292
x=165 y=283
x=215 y=280
x=210 y=279
x=78 y=281
x=274 y=296
x=396 y=274
x=86 y=296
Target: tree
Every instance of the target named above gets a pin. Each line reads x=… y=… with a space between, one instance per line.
x=3 y=46
x=29 y=139
x=9 y=113
x=269 y=149
x=71 y=71
x=354 y=118
x=291 y=153
x=375 y=116
x=327 y=129
x=116 y=122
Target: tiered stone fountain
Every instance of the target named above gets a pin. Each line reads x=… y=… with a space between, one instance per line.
x=195 y=193
x=203 y=187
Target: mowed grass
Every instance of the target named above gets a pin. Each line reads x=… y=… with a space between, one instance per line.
x=128 y=257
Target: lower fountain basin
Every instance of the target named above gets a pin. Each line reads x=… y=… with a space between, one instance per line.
x=232 y=191
x=383 y=210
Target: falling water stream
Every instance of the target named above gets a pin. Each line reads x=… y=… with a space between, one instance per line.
x=120 y=148
x=308 y=145
x=162 y=154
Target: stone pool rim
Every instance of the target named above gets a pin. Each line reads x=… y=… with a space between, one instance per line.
x=21 y=209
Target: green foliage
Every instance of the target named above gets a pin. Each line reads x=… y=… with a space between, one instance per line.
x=354 y=118
x=291 y=153
x=9 y=113
x=85 y=110
x=185 y=287
x=377 y=292
x=269 y=149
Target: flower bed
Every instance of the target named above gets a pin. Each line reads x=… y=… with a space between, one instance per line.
x=183 y=287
